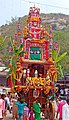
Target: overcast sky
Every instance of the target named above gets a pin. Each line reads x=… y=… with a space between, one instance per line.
x=19 y=8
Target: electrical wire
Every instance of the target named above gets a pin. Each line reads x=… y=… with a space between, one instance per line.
x=45 y=4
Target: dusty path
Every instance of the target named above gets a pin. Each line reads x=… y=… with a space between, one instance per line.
x=8 y=116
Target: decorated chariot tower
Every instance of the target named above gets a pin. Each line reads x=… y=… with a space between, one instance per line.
x=37 y=44
x=35 y=72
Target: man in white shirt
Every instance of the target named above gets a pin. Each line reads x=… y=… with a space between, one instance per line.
x=7 y=103
x=65 y=111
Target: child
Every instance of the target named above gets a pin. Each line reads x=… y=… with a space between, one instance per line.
x=31 y=114
x=26 y=113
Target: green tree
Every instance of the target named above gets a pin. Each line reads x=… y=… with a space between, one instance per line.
x=3 y=49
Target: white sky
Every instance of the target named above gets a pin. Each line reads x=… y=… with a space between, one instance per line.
x=19 y=8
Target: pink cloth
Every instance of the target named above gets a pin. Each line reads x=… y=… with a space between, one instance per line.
x=2 y=107
x=60 y=105
x=31 y=117
x=26 y=111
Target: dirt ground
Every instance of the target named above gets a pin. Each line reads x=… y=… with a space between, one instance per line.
x=8 y=116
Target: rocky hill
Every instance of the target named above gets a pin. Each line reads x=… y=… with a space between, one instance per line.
x=60 y=24
x=58 y=21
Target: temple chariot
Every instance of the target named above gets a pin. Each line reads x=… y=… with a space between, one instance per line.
x=35 y=74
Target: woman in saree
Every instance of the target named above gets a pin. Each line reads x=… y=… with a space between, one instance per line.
x=37 y=110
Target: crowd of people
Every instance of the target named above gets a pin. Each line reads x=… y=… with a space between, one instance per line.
x=55 y=109
x=18 y=108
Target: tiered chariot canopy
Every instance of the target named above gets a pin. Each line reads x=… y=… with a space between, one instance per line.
x=37 y=41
